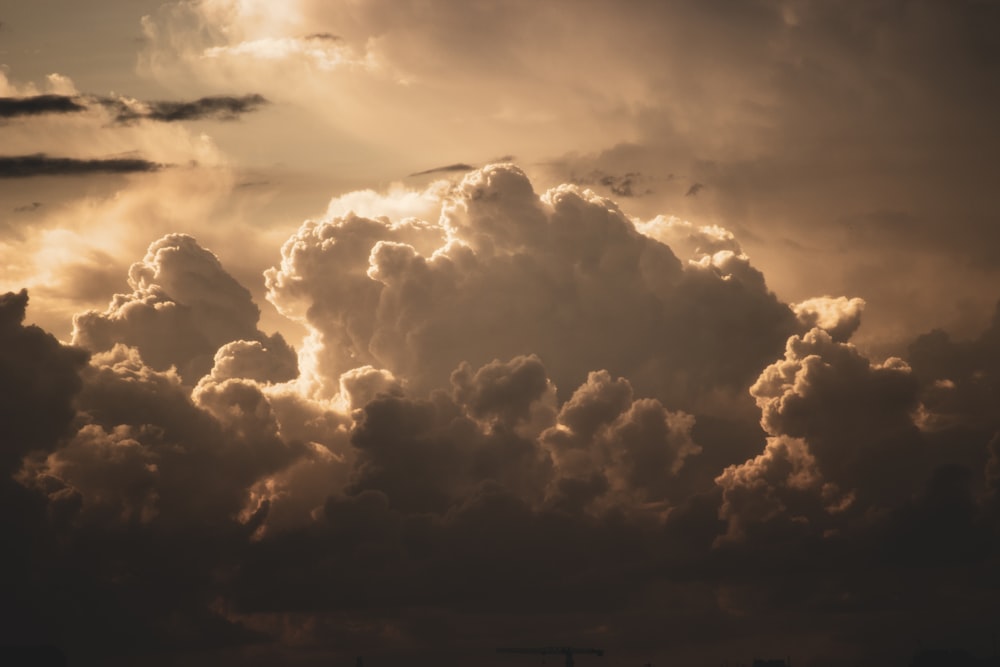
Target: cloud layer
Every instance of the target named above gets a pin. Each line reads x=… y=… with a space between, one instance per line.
x=526 y=420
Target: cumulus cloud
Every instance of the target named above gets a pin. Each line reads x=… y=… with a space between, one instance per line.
x=783 y=483
x=506 y=400
x=607 y=441
x=840 y=317
x=183 y=308
x=519 y=414
x=819 y=383
x=12 y=107
x=504 y=272
x=40 y=380
x=216 y=107
x=687 y=239
x=961 y=378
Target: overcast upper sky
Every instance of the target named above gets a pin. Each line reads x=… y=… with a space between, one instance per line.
x=415 y=329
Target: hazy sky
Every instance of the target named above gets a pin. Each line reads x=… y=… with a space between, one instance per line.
x=412 y=329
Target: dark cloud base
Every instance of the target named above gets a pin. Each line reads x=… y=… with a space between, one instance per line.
x=177 y=488
x=12 y=107
x=39 y=164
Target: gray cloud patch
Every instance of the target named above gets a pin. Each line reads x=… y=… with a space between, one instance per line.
x=458 y=166
x=27 y=208
x=40 y=164
x=36 y=105
x=324 y=36
x=217 y=107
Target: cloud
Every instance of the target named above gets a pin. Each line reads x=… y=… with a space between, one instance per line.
x=183 y=309
x=12 y=107
x=840 y=317
x=40 y=164
x=143 y=443
x=506 y=272
x=27 y=208
x=625 y=185
x=217 y=107
x=458 y=166
x=606 y=443
x=694 y=190
x=323 y=36
x=809 y=395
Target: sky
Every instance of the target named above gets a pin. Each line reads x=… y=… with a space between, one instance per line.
x=411 y=330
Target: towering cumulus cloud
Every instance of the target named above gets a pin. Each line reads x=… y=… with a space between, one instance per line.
x=505 y=272
x=526 y=419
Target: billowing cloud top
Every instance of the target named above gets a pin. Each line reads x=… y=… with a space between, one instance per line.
x=505 y=272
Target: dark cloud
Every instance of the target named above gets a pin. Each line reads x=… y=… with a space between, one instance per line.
x=216 y=107
x=36 y=105
x=458 y=166
x=324 y=36
x=39 y=164
x=694 y=190
x=40 y=379
x=27 y=208
x=252 y=184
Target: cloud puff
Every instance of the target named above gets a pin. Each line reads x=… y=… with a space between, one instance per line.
x=520 y=402
x=783 y=483
x=183 y=308
x=850 y=438
x=856 y=415
x=840 y=317
x=605 y=441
